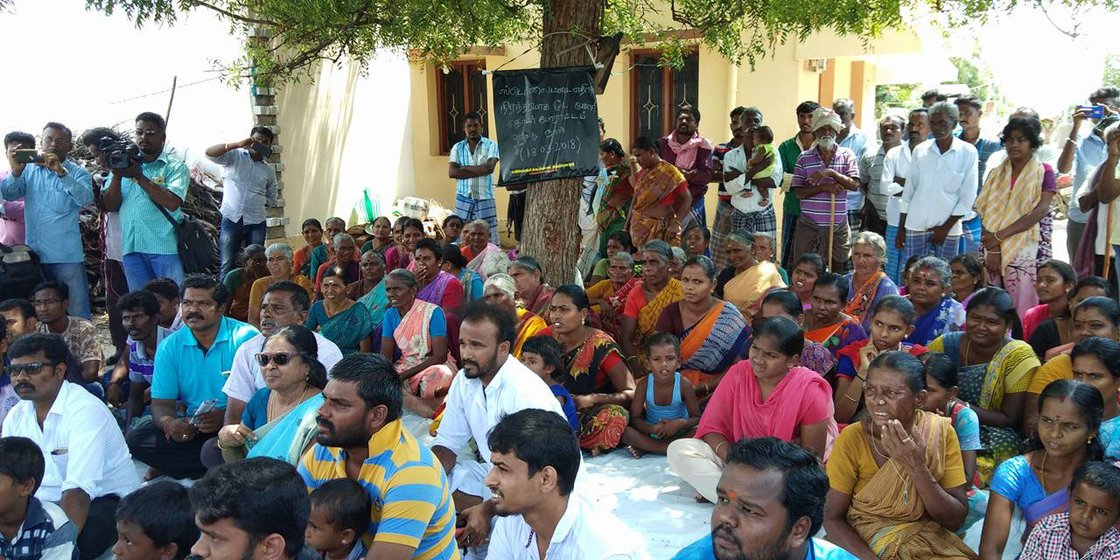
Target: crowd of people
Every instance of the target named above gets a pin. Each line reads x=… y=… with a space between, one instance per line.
x=905 y=366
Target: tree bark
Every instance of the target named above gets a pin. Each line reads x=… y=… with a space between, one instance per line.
x=551 y=233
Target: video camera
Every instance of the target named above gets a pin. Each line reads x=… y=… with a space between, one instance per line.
x=119 y=154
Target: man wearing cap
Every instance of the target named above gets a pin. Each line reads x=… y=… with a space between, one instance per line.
x=823 y=175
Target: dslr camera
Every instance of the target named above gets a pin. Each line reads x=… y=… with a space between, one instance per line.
x=119 y=154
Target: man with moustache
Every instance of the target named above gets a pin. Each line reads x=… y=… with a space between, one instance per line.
x=771 y=503
x=491 y=385
x=191 y=365
x=88 y=468
x=361 y=437
x=873 y=181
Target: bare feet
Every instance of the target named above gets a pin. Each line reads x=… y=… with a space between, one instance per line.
x=152 y=474
x=637 y=453
x=700 y=499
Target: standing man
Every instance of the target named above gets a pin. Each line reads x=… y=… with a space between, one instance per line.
x=590 y=199
x=472 y=162
x=896 y=166
x=855 y=140
x=112 y=266
x=692 y=154
x=361 y=437
x=788 y=152
x=88 y=468
x=54 y=190
x=249 y=185
x=142 y=192
x=51 y=300
x=13 y=231
x=971 y=110
x=1082 y=154
x=940 y=190
x=721 y=226
x=191 y=366
x=872 y=179
x=751 y=198
x=931 y=96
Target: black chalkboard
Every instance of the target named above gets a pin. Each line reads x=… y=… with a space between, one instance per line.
x=548 y=124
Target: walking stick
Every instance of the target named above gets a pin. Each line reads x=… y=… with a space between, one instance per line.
x=831 y=228
x=1108 y=243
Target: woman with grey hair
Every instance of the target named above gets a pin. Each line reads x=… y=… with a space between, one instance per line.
x=867 y=283
x=928 y=288
x=746 y=280
x=501 y=290
x=646 y=301
x=607 y=296
x=239 y=281
x=279 y=260
x=532 y=291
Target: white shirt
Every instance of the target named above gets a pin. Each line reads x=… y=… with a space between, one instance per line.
x=943 y=183
x=895 y=164
x=82 y=445
x=163 y=332
x=472 y=410
x=245 y=378
x=248 y=186
x=583 y=533
x=741 y=200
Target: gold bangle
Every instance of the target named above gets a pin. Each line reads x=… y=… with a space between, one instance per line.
x=717 y=447
x=851 y=398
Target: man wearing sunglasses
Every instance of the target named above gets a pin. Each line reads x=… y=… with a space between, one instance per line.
x=88 y=467
x=191 y=365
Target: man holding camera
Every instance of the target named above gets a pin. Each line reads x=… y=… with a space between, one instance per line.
x=53 y=189
x=249 y=184
x=147 y=182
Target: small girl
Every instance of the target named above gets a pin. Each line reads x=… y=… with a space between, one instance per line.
x=941 y=398
x=654 y=425
x=762 y=138
x=544 y=356
x=339 y=517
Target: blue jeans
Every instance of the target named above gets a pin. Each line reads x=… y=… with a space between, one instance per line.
x=236 y=235
x=141 y=268
x=74 y=276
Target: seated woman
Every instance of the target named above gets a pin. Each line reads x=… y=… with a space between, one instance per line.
x=370 y=292
x=928 y=286
x=456 y=265
x=867 y=283
x=646 y=301
x=239 y=281
x=824 y=322
x=783 y=303
x=1055 y=336
x=344 y=260
x=397 y=250
x=339 y=318
x=381 y=240
x=712 y=332
x=764 y=243
x=322 y=253
x=608 y=296
x=433 y=284
x=278 y=259
x=768 y=395
x=595 y=372
x=746 y=281
x=897 y=480
x=301 y=258
x=677 y=264
x=1037 y=482
x=995 y=371
x=1096 y=362
x=1055 y=281
x=416 y=331
x=967 y=277
x=1096 y=316
x=279 y=421
x=618 y=242
x=891 y=321
x=452 y=228
x=696 y=241
x=400 y=256
x=499 y=290
x=476 y=245
x=533 y=293
x=805 y=273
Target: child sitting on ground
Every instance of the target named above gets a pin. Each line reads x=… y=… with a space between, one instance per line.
x=762 y=138
x=1088 y=530
x=654 y=425
x=544 y=356
x=39 y=530
x=339 y=517
x=155 y=522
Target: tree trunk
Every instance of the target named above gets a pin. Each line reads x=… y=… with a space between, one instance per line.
x=551 y=232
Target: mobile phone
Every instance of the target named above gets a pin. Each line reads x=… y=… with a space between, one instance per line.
x=206 y=407
x=1106 y=122
x=28 y=156
x=1095 y=111
x=262 y=150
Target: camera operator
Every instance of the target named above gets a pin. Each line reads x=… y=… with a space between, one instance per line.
x=249 y=185
x=54 y=189
x=150 y=177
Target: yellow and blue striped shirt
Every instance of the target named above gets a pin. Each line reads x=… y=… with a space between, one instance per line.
x=411 y=501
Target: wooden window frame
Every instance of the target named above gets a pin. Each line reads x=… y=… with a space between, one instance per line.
x=462 y=66
x=668 y=89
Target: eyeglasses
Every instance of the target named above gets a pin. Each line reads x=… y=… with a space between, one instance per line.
x=278 y=358
x=30 y=368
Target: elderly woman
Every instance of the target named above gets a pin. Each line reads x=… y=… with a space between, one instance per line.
x=281 y=267
x=764 y=243
x=656 y=290
x=618 y=242
x=967 y=277
x=767 y=395
x=279 y=421
x=1015 y=198
x=995 y=372
x=938 y=313
x=532 y=293
x=822 y=176
x=325 y=251
x=712 y=332
x=867 y=284
x=661 y=197
x=501 y=290
x=301 y=258
x=369 y=292
x=344 y=259
x=618 y=193
x=418 y=331
x=897 y=484
x=239 y=281
x=608 y=296
x=339 y=318
x=746 y=281
x=476 y=245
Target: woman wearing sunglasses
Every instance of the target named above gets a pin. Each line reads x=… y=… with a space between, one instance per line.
x=279 y=421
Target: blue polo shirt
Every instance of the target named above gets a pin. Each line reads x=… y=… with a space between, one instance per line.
x=144 y=229
x=184 y=372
